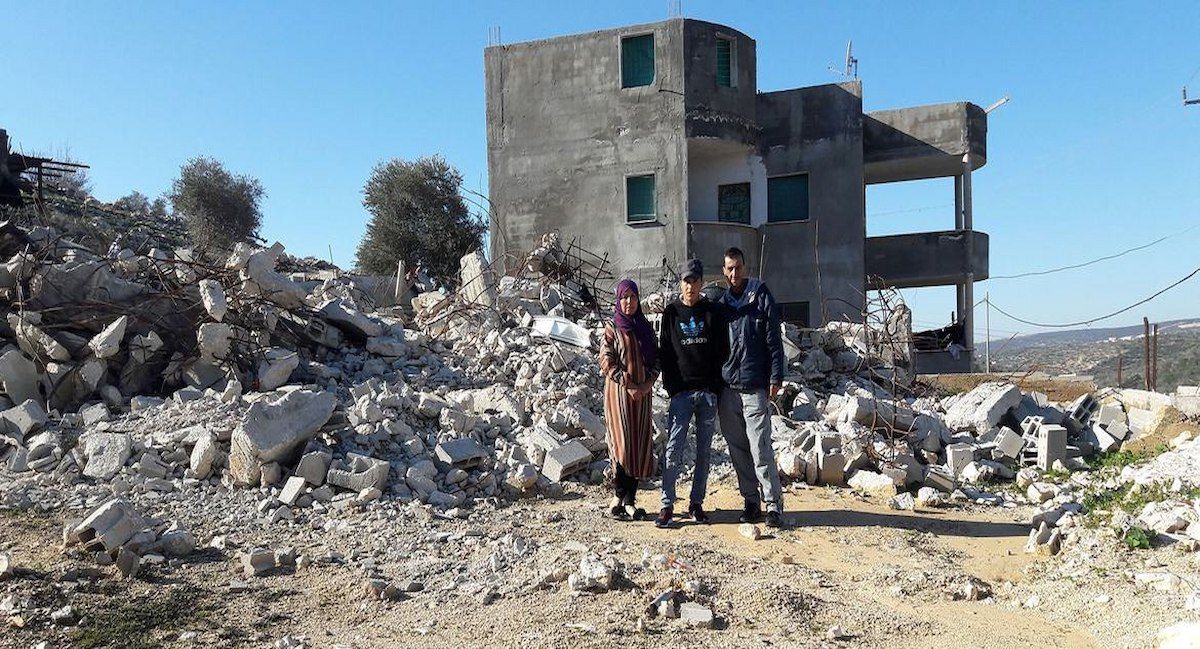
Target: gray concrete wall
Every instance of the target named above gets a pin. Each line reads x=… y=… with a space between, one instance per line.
x=563 y=135
x=713 y=110
x=709 y=241
x=923 y=141
x=926 y=258
x=817 y=130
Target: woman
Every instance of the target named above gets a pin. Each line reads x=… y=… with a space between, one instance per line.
x=629 y=361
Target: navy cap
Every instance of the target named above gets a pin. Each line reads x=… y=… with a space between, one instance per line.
x=691 y=268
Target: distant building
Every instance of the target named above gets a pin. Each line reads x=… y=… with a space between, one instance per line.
x=653 y=143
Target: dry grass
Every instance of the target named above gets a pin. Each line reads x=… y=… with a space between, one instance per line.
x=1055 y=389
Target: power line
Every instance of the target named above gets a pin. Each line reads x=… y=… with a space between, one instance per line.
x=1094 y=261
x=1098 y=319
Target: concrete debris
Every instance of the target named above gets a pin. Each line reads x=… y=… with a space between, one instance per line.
x=273 y=431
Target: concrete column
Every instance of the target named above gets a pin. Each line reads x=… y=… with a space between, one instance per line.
x=966 y=192
x=968 y=288
x=958 y=222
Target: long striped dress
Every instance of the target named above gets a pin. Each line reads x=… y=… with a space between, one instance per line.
x=630 y=429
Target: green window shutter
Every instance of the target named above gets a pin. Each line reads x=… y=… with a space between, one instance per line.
x=725 y=62
x=637 y=61
x=639 y=198
x=733 y=203
x=787 y=198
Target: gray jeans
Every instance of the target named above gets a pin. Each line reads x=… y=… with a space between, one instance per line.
x=746 y=425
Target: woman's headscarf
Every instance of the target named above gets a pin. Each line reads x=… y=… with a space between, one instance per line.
x=636 y=324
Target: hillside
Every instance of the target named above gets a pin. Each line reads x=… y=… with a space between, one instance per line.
x=1096 y=352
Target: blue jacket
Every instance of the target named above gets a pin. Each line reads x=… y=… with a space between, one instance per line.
x=756 y=357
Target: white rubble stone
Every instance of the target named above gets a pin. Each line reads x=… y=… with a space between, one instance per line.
x=21 y=420
x=903 y=501
x=292 y=490
x=214 y=340
x=982 y=408
x=276 y=368
x=478 y=281
x=1040 y=492
x=695 y=614
x=107 y=343
x=929 y=497
x=204 y=454
x=141 y=348
x=270 y=432
x=35 y=342
x=872 y=484
x=105 y=454
x=213 y=297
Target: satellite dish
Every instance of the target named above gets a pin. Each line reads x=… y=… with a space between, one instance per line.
x=850 y=65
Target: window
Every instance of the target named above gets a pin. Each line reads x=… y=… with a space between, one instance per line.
x=725 y=65
x=637 y=61
x=787 y=198
x=795 y=313
x=733 y=203
x=639 y=199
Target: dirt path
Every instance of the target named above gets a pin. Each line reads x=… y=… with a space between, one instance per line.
x=886 y=577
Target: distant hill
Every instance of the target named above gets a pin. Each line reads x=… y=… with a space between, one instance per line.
x=1096 y=352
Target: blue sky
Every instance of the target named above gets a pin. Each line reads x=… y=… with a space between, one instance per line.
x=1094 y=154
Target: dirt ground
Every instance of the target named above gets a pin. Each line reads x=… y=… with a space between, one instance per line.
x=886 y=577
x=1061 y=390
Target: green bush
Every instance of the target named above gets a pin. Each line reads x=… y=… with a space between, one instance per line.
x=419 y=217
x=220 y=208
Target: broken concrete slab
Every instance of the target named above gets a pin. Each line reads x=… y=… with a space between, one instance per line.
x=982 y=408
x=105 y=454
x=203 y=456
x=276 y=368
x=313 y=467
x=21 y=420
x=107 y=343
x=274 y=431
x=19 y=377
x=35 y=342
x=562 y=330
x=350 y=320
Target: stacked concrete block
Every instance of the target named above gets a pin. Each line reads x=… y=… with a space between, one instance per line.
x=1051 y=446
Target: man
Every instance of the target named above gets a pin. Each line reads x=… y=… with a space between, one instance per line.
x=692 y=351
x=753 y=374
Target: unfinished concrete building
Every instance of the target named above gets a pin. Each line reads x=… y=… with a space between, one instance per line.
x=653 y=143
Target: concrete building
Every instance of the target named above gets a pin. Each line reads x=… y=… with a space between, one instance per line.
x=653 y=143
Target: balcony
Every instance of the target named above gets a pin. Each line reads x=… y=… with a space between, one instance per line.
x=923 y=142
x=926 y=259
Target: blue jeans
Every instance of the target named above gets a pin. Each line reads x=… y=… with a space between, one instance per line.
x=703 y=406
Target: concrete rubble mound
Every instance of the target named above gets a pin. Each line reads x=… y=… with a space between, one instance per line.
x=147 y=396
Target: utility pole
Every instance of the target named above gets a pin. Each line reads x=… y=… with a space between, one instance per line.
x=987 y=342
x=1146 y=351
x=1154 y=356
x=1120 y=369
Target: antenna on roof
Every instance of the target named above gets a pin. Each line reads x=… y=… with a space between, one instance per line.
x=674 y=8
x=494 y=35
x=1186 y=101
x=850 y=66
x=996 y=104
